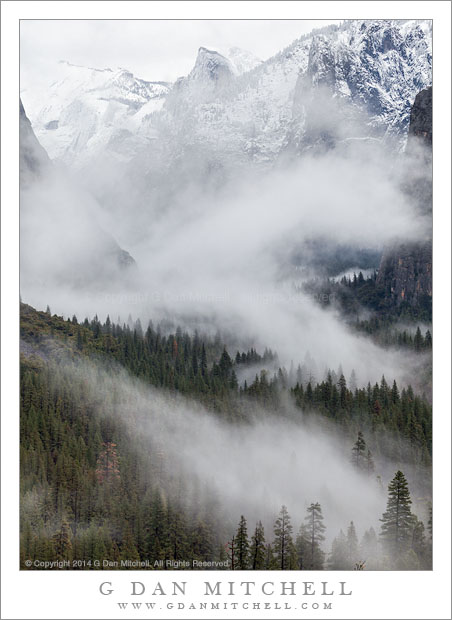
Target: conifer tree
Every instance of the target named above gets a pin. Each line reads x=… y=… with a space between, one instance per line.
x=232 y=553
x=342 y=383
x=397 y=521
x=257 y=549
x=242 y=546
x=418 y=340
x=359 y=452
x=302 y=546
x=283 y=539
x=316 y=528
x=395 y=397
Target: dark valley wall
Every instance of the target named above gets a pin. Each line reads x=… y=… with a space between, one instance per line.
x=406 y=270
x=406 y=274
x=33 y=159
x=421 y=124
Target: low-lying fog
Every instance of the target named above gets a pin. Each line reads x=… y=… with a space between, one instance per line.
x=252 y=468
x=217 y=258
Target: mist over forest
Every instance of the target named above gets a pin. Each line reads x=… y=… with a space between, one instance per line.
x=226 y=309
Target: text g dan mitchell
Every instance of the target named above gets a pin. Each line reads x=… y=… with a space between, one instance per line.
x=229 y=588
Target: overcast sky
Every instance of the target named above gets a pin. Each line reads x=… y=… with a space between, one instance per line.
x=151 y=49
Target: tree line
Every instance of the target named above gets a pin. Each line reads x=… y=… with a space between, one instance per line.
x=89 y=490
x=402 y=543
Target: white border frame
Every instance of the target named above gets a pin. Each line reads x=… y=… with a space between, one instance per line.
x=75 y=594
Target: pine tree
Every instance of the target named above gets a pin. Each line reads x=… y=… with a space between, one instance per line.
x=397 y=521
x=315 y=527
x=257 y=549
x=418 y=340
x=242 y=546
x=359 y=452
x=342 y=383
x=232 y=553
x=283 y=539
x=225 y=364
x=395 y=396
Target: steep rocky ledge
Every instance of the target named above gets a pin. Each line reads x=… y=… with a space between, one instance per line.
x=406 y=270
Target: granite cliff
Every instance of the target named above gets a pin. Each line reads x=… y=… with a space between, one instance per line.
x=406 y=270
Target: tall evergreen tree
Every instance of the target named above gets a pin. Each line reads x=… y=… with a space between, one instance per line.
x=418 y=340
x=257 y=549
x=242 y=546
x=303 y=548
x=397 y=521
x=359 y=452
x=232 y=553
x=316 y=528
x=283 y=543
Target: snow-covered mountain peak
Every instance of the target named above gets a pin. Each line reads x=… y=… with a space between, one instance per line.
x=211 y=66
x=242 y=60
x=86 y=108
x=237 y=108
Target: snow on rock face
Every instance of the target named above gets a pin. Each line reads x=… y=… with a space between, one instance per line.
x=242 y=60
x=376 y=67
x=210 y=66
x=86 y=109
x=361 y=77
x=238 y=109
